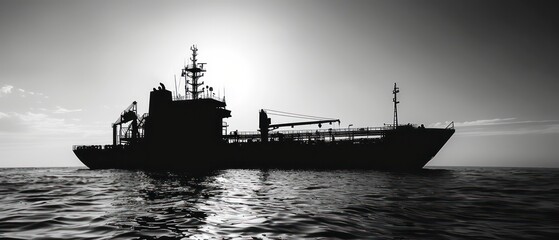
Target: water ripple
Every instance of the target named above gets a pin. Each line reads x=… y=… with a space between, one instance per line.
x=453 y=203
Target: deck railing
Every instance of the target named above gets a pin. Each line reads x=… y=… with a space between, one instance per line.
x=201 y=96
x=100 y=147
x=310 y=135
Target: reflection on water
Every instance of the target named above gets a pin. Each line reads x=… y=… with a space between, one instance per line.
x=272 y=204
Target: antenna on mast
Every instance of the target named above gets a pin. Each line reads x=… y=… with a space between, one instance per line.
x=395 y=100
x=193 y=71
x=176 y=90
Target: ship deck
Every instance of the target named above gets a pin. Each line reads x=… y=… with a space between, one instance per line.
x=340 y=134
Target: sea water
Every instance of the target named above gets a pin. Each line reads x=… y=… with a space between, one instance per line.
x=442 y=203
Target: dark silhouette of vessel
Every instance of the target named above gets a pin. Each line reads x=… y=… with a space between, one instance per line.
x=187 y=133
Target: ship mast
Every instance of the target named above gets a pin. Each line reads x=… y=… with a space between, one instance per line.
x=395 y=100
x=193 y=71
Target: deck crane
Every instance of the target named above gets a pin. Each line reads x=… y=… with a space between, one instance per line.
x=129 y=114
x=266 y=126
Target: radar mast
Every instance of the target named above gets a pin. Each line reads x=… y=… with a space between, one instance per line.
x=194 y=72
x=395 y=100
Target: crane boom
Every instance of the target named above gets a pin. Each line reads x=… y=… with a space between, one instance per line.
x=129 y=114
x=275 y=126
x=265 y=125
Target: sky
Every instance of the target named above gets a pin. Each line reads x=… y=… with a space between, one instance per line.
x=68 y=68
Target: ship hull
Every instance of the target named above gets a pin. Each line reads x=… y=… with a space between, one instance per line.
x=400 y=150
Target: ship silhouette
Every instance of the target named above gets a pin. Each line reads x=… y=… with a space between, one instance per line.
x=188 y=133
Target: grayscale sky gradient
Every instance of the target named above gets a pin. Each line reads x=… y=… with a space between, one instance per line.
x=68 y=68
